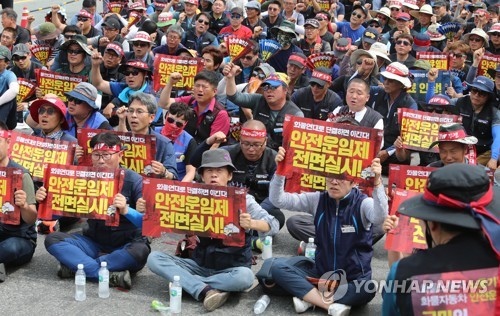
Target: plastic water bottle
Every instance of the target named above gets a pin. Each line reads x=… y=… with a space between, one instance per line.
x=267 y=251
x=176 y=296
x=80 y=294
x=311 y=249
x=261 y=304
x=104 y=280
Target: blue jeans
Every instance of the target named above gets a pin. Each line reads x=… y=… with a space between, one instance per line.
x=73 y=249
x=195 y=278
x=16 y=250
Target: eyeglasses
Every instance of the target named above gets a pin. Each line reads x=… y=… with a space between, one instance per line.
x=75 y=51
x=251 y=145
x=69 y=37
x=140 y=44
x=105 y=156
x=359 y=16
x=18 y=58
x=495 y=34
x=133 y=72
x=49 y=111
x=457 y=55
x=75 y=100
x=205 y=22
x=269 y=87
x=259 y=75
x=247 y=57
x=235 y=16
x=173 y=38
x=404 y=43
x=171 y=120
x=82 y=19
x=475 y=39
x=480 y=93
x=138 y=111
x=382 y=17
x=317 y=85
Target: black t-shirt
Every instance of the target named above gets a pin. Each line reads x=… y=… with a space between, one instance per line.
x=328 y=37
x=23 y=35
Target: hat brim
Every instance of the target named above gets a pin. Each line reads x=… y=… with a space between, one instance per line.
x=80 y=96
x=322 y=83
x=359 y=52
x=169 y=22
x=123 y=67
x=468 y=140
x=296 y=63
x=416 y=14
x=274 y=83
x=418 y=48
x=374 y=13
x=73 y=41
x=405 y=81
x=382 y=55
x=217 y=165
x=285 y=29
x=369 y=40
x=467 y=36
x=38 y=103
x=49 y=36
x=480 y=87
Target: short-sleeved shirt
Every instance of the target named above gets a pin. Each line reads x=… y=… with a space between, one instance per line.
x=345 y=29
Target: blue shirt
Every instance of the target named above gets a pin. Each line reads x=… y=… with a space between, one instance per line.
x=345 y=29
x=280 y=60
x=6 y=78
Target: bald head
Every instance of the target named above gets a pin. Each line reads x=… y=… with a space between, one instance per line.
x=254 y=124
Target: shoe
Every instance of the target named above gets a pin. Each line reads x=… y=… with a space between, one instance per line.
x=337 y=309
x=47 y=227
x=215 y=299
x=302 y=249
x=257 y=244
x=64 y=272
x=3 y=274
x=120 y=279
x=300 y=305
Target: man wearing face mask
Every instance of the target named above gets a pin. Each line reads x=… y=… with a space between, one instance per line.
x=285 y=34
x=456 y=224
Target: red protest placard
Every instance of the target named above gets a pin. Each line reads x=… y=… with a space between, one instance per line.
x=57 y=83
x=11 y=180
x=115 y=7
x=470 y=292
x=410 y=232
x=26 y=89
x=42 y=53
x=200 y=209
x=33 y=152
x=320 y=60
x=329 y=149
x=436 y=59
x=406 y=177
x=419 y=129
x=77 y=191
x=237 y=47
x=489 y=61
x=139 y=153
x=188 y=67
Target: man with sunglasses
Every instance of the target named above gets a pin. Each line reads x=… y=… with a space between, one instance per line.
x=236 y=28
x=273 y=18
x=312 y=43
x=494 y=44
x=111 y=33
x=354 y=28
x=76 y=51
x=248 y=64
x=139 y=114
x=141 y=49
x=270 y=107
x=84 y=22
x=323 y=18
x=198 y=37
x=440 y=9
x=317 y=100
x=90 y=6
x=253 y=20
x=404 y=45
x=123 y=247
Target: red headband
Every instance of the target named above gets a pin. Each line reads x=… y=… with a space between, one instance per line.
x=321 y=15
x=5 y=134
x=396 y=71
x=450 y=136
x=104 y=147
x=253 y=133
x=322 y=76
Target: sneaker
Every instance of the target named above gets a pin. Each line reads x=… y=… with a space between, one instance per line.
x=302 y=249
x=64 y=272
x=215 y=299
x=3 y=274
x=120 y=279
x=47 y=227
x=257 y=244
x=300 y=305
x=337 y=309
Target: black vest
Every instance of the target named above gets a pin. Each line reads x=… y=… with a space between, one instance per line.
x=202 y=132
x=370 y=118
x=257 y=181
x=478 y=125
x=274 y=128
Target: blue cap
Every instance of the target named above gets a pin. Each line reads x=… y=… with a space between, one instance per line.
x=483 y=83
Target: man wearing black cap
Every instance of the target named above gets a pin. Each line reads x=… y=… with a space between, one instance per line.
x=312 y=43
x=236 y=28
x=370 y=36
x=112 y=58
x=111 y=33
x=316 y=101
x=440 y=9
x=353 y=29
x=9 y=88
x=460 y=232
x=253 y=21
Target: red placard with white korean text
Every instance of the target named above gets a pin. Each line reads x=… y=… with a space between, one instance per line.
x=200 y=209
x=489 y=61
x=26 y=89
x=57 y=83
x=77 y=191
x=412 y=178
x=11 y=180
x=188 y=67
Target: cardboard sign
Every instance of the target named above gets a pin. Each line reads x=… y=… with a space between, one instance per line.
x=77 y=191
x=200 y=209
x=33 y=152
x=329 y=149
x=11 y=180
x=419 y=129
x=140 y=150
x=420 y=84
x=164 y=65
x=410 y=232
x=57 y=83
x=471 y=292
